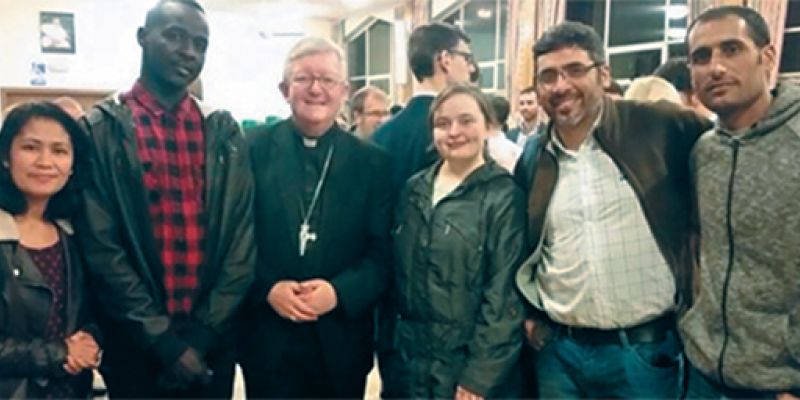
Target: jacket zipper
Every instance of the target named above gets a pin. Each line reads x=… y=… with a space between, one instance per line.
x=731 y=252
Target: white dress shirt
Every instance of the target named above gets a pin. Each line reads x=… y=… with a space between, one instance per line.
x=503 y=151
x=601 y=266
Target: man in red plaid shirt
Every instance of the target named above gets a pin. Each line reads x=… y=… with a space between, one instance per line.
x=168 y=227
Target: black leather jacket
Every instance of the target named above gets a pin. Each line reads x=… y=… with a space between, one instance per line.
x=460 y=319
x=117 y=238
x=28 y=362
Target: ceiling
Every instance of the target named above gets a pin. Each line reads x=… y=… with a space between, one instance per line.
x=331 y=9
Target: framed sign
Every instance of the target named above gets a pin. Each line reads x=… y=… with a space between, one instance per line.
x=57 y=32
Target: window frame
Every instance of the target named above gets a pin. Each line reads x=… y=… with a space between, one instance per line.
x=458 y=9
x=787 y=30
x=663 y=45
x=368 y=78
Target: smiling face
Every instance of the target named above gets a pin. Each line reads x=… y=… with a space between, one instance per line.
x=174 y=42
x=315 y=89
x=571 y=101
x=460 y=130
x=729 y=72
x=40 y=159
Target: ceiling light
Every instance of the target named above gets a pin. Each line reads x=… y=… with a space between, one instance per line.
x=677 y=11
x=484 y=13
x=676 y=33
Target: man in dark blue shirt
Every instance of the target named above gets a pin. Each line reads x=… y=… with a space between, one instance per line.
x=439 y=55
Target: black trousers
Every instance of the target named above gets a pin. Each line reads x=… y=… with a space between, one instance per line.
x=301 y=372
x=135 y=375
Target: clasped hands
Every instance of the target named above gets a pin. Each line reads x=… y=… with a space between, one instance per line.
x=82 y=353
x=302 y=301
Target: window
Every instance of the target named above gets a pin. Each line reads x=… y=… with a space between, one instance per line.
x=484 y=21
x=369 y=58
x=633 y=51
x=790 y=60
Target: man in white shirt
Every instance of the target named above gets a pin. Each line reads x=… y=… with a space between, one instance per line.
x=609 y=207
x=501 y=149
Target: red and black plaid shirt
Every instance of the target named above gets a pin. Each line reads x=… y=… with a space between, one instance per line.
x=171 y=148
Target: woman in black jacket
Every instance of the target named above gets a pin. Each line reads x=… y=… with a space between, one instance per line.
x=46 y=348
x=458 y=242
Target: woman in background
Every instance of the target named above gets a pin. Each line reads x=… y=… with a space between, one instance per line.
x=458 y=242
x=46 y=348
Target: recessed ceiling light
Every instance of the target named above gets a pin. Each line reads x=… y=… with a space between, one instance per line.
x=484 y=13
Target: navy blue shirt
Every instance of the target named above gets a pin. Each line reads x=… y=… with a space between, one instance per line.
x=408 y=139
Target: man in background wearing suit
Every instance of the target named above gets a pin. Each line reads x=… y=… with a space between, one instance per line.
x=439 y=55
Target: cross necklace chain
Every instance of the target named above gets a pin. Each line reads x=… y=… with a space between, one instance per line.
x=305 y=233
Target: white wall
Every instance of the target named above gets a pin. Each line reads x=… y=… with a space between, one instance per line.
x=243 y=64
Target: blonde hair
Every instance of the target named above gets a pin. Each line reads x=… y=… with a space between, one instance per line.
x=652 y=88
x=309 y=46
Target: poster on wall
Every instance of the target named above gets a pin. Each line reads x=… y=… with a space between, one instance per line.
x=38 y=73
x=57 y=32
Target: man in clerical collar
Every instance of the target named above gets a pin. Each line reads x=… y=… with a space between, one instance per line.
x=167 y=230
x=532 y=118
x=322 y=216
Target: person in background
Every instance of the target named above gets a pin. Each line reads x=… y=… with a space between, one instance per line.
x=609 y=225
x=676 y=72
x=532 y=118
x=168 y=222
x=501 y=149
x=652 y=88
x=70 y=106
x=323 y=210
x=439 y=55
x=459 y=238
x=48 y=348
x=369 y=107
x=742 y=334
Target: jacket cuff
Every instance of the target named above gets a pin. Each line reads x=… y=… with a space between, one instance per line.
x=168 y=348
x=50 y=356
x=199 y=336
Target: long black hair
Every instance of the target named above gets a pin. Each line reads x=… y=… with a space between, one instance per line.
x=64 y=203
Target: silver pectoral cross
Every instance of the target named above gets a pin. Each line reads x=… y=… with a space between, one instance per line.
x=305 y=236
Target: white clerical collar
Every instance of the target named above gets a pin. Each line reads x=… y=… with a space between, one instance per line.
x=309 y=142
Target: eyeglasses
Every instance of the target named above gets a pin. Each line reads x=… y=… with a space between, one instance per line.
x=376 y=113
x=306 y=81
x=468 y=57
x=572 y=71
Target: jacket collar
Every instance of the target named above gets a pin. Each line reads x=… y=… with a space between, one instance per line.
x=205 y=108
x=423 y=185
x=9 y=231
